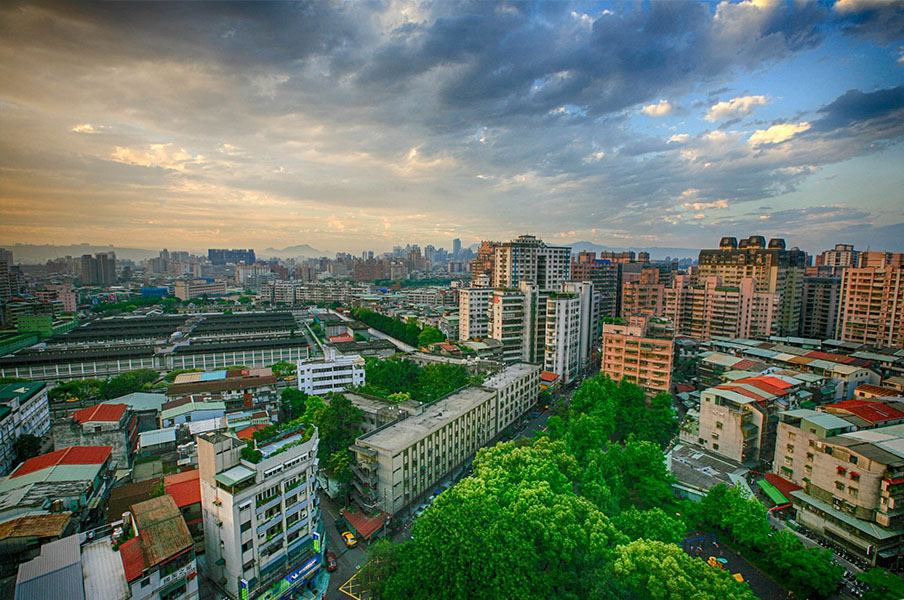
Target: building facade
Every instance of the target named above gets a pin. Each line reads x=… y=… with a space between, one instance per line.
x=630 y=352
x=333 y=373
x=262 y=523
x=872 y=301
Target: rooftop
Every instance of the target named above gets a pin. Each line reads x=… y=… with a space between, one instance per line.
x=108 y=413
x=22 y=390
x=874 y=412
x=161 y=528
x=75 y=455
x=57 y=568
x=510 y=374
x=403 y=434
x=184 y=488
x=141 y=401
x=40 y=526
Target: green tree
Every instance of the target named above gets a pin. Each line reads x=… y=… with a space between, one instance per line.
x=27 y=446
x=646 y=480
x=128 y=382
x=657 y=571
x=294 y=403
x=430 y=335
x=660 y=423
x=339 y=424
x=652 y=524
x=383 y=560
x=339 y=464
x=883 y=585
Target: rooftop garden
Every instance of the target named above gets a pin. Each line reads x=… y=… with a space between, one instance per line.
x=261 y=446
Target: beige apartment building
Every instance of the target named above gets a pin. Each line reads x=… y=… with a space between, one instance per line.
x=196 y=288
x=775 y=269
x=399 y=463
x=528 y=259
x=853 y=491
x=714 y=308
x=473 y=313
x=646 y=296
x=630 y=352
x=872 y=301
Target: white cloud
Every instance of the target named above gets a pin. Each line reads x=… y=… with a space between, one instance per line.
x=679 y=137
x=593 y=157
x=717 y=204
x=663 y=108
x=157 y=155
x=89 y=128
x=777 y=133
x=855 y=6
x=736 y=107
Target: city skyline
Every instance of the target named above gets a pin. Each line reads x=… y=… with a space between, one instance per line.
x=357 y=127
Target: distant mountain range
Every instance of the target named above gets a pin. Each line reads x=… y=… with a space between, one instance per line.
x=293 y=252
x=32 y=254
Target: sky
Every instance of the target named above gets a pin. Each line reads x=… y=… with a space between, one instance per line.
x=351 y=126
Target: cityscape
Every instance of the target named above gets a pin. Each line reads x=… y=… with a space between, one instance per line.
x=411 y=300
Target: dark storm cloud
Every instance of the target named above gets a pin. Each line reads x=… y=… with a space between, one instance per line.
x=883 y=107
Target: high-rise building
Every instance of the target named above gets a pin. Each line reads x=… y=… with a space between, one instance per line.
x=473 y=313
x=571 y=318
x=819 y=316
x=872 y=301
x=643 y=295
x=605 y=274
x=234 y=257
x=262 y=525
x=483 y=267
x=632 y=352
x=717 y=309
x=6 y=287
x=843 y=255
x=99 y=269
x=776 y=270
x=527 y=259
x=456 y=248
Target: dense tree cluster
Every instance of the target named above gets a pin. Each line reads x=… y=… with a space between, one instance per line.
x=584 y=511
x=100 y=390
x=393 y=376
x=404 y=332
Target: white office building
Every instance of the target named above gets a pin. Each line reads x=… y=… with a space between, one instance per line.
x=473 y=313
x=333 y=373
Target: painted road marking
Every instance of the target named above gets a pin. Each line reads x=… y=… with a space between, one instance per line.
x=332 y=514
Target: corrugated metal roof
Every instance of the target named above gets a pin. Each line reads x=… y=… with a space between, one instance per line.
x=213 y=375
x=42 y=526
x=157 y=436
x=161 y=528
x=54 y=556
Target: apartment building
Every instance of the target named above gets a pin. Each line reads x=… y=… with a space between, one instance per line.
x=843 y=255
x=738 y=419
x=24 y=409
x=507 y=322
x=775 y=269
x=713 y=308
x=333 y=373
x=853 y=490
x=872 y=301
x=483 y=267
x=517 y=388
x=819 y=316
x=473 y=313
x=570 y=329
x=644 y=296
x=530 y=260
x=262 y=524
x=196 y=288
x=631 y=352
x=605 y=274
x=398 y=464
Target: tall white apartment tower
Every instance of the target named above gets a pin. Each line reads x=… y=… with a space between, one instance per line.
x=262 y=524
x=527 y=259
x=473 y=313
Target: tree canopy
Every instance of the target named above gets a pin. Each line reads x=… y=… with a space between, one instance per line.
x=392 y=376
x=404 y=332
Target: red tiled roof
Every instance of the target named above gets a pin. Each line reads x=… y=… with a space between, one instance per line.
x=248 y=432
x=185 y=488
x=744 y=364
x=767 y=387
x=874 y=412
x=684 y=387
x=783 y=485
x=837 y=358
x=132 y=558
x=741 y=390
x=76 y=455
x=365 y=526
x=776 y=382
x=547 y=376
x=342 y=338
x=100 y=412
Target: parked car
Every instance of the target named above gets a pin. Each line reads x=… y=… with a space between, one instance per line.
x=349 y=539
x=331 y=564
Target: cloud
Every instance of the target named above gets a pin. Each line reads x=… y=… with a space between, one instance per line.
x=660 y=109
x=734 y=108
x=88 y=128
x=157 y=155
x=777 y=133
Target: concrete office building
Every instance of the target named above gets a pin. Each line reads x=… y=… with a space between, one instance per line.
x=631 y=352
x=570 y=329
x=398 y=464
x=197 y=288
x=333 y=373
x=872 y=301
x=605 y=274
x=262 y=524
x=517 y=388
x=775 y=269
x=218 y=256
x=843 y=255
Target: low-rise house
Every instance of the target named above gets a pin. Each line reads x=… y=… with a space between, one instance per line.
x=100 y=425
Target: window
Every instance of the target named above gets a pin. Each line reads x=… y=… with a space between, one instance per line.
x=853 y=492
x=715 y=446
x=790 y=447
x=853 y=459
x=246 y=526
x=839 y=485
x=145 y=582
x=789 y=460
x=715 y=436
x=791 y=435
x=810 y=456
x=855 y=476
x=718 y=424
x=841 y=470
